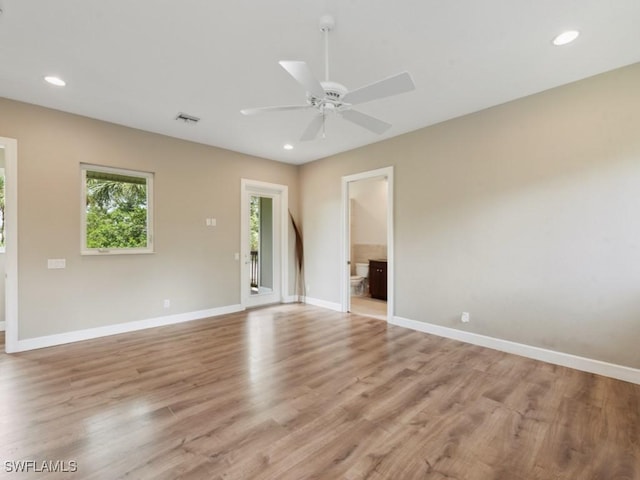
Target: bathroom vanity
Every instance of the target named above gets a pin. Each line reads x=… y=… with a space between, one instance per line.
x=378 y=279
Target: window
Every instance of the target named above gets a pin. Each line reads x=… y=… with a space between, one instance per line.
x=117 y=213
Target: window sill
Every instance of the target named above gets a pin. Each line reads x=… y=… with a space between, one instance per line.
x=117 y=251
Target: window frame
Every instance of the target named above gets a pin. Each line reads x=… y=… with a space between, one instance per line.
x=148 y=176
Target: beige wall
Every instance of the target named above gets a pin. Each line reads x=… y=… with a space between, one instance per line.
x=193 y=266
x=369 y=211
x=524 y=215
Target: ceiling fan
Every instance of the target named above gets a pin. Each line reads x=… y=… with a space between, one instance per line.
x=331 y=97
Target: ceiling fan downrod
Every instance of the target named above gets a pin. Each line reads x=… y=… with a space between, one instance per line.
x=332 y=97
x=327 y=22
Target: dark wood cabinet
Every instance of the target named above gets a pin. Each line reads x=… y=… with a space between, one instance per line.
x=378 y=279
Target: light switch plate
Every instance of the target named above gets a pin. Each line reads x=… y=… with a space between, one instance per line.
x=54 y=263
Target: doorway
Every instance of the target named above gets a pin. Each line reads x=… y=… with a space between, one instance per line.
x=264 y=243
x=367 y=239
x=9 y=149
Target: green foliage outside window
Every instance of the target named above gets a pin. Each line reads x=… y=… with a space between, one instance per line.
x=116 y=211
x=254 y=223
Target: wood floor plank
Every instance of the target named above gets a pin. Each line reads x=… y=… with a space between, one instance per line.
x=299 y=392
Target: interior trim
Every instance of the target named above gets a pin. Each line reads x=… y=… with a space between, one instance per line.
x=11 y=250
x=323 y=303
x=345 y=255
x=91 y=333
x=584 y=364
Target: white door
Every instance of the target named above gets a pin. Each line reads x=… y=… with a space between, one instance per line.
x=263 y=250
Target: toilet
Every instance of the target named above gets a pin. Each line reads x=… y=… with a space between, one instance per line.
x=359 y=280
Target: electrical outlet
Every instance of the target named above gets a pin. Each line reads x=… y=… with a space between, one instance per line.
x=166 y=303
x=465 y=317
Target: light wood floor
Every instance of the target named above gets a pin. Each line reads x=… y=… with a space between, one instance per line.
x=295 y=392
x=369 y=307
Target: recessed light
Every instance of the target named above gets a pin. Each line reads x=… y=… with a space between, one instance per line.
x=566 y=37
x=57 y=81
x=288 y=146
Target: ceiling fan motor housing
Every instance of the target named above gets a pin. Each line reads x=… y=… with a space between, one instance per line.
x=327 y=97
x=333 y=93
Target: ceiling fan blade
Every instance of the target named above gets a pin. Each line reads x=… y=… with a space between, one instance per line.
x=312 y=130
x=366 y=121
x=302 y=73
x=387 y=87
x=254 y=111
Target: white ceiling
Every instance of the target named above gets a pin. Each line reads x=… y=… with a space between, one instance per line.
x=138 y=63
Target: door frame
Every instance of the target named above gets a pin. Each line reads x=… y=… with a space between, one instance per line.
x=345 y=290
x=281 y=193
x=11 y=243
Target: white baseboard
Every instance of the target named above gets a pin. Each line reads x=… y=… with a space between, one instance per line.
x=2 y=326
x=291 y=299
x=79 y=335
x=584 y=364
x=322 y=303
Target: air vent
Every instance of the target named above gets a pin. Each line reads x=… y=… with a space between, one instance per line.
x=190 y=119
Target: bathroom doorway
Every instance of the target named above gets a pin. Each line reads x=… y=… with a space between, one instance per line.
x=368 y=243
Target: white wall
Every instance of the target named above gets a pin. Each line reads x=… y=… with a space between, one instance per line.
x=524 y=215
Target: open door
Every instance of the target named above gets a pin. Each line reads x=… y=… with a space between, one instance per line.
x=264 y=234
